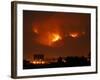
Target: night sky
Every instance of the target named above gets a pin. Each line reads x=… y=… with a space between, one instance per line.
x=55 y=34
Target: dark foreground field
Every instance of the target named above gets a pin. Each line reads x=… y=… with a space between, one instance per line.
x=70 y=62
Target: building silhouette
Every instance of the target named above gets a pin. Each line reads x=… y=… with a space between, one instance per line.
x=38 y=57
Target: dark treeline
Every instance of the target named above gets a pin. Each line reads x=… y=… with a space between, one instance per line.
x=61 y=62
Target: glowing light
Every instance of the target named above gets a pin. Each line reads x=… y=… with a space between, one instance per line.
x=43 y=62
x=55 y=37
x=35 y=30
x=34 y=62
x=74 y=35
x=38 y=62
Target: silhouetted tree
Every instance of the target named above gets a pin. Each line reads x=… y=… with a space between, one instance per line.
x=76 y=61
x=60 y=60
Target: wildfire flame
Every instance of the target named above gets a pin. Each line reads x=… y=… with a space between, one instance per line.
x=55 y=37
x=35 y=30
x=74 y=35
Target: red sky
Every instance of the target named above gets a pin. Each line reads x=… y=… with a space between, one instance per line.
x=55 y=34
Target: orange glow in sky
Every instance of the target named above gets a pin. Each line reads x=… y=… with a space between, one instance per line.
x=56 y=34
x=55 y=37
x=74 y=35
x=35 y=30
x=48 y=38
